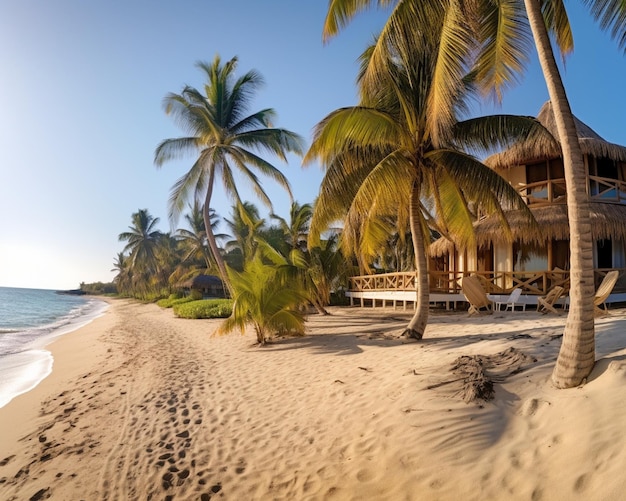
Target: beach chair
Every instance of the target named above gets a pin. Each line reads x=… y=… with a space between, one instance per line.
x=604 y=291
x=546 y=304
x=511 y=301
x=476 y=296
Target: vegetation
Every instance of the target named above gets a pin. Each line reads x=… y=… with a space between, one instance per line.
x=203 y=308
x=98 y=288
x=267 y=298
x=174 y=300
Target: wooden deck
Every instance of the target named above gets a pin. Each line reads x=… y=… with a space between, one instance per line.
x=393 y=289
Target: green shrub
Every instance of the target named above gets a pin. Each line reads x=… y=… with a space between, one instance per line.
x=172 y=301
x=195 y=294
x=204 y=308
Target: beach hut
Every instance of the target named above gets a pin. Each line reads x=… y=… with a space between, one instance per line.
x=208 y=285
x=536 y=258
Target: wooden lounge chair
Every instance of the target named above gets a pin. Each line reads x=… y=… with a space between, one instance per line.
x=511 y=301
x=604 y=291
x=476 y=295
x=546 y=304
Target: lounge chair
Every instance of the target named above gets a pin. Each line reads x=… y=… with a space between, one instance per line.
x=511 y=301
x=476 y=295
x=604 y=291
x=546 y=304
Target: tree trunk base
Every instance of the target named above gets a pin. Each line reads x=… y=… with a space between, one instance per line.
x=412 y=333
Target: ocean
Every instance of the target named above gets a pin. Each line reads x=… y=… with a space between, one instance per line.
x=30 y=319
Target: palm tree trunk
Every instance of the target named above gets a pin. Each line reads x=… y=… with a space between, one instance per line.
x=219 y=260
x=577 y=355
x=417 y=325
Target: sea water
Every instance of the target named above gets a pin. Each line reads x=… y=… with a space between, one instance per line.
x=30 y=319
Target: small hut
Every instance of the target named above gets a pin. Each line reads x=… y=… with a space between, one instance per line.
x=209 y=286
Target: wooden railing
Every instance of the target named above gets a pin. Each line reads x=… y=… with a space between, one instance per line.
x=494 y=282
x=600 y=189
x=607 y=190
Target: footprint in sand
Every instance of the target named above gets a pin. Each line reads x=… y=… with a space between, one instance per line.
x=581 y=483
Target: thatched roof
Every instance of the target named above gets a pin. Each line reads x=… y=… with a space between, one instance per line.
x=607 y=221
x=201 y=282
x=536 y=150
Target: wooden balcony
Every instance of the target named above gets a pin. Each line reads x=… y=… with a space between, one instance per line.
x=553 y=191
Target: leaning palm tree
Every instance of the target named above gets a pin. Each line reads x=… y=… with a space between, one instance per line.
x=224 y=139
x=502 y=31
x=401 y=145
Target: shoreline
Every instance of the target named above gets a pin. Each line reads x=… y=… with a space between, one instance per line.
x=143 y=404
x=65 y=349
x=27 y=368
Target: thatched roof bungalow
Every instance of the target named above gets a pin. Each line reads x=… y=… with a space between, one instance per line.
x=535 y=168
x=208 y=285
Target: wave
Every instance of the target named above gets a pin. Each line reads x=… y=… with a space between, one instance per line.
x=18 y=340
x=24 y=361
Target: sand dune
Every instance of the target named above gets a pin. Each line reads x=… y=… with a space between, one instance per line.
x=142 y=405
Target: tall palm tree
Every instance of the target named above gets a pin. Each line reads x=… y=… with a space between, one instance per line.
x=577 y=354
x=224 y=139
x=142 y=241
x=502 y=32
x=401 y=145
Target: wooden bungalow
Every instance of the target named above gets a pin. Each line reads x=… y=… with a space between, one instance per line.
x=533 y=258
x=537 y=258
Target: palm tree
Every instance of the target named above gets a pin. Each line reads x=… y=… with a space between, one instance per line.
x=244 y=227
x=401 y=145
x=123 y=279
x=143 y=241
x=297 y=228
x=577 y=354
x=503 y=33
x=266 y=297
x=327 y=271
x=194 y=239
x=224 y=139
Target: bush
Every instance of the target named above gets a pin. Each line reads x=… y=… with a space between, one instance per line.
x=172 y=301
x=204 y=308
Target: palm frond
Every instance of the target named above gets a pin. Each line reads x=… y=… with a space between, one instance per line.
x=505 y=41
x=612 y=17
x=557 y=22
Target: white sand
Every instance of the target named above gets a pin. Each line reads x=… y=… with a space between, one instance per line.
x=142 y=405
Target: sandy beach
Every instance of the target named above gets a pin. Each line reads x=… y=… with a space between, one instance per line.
x=142 y=405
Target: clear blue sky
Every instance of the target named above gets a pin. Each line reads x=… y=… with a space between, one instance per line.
x=80 y=110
